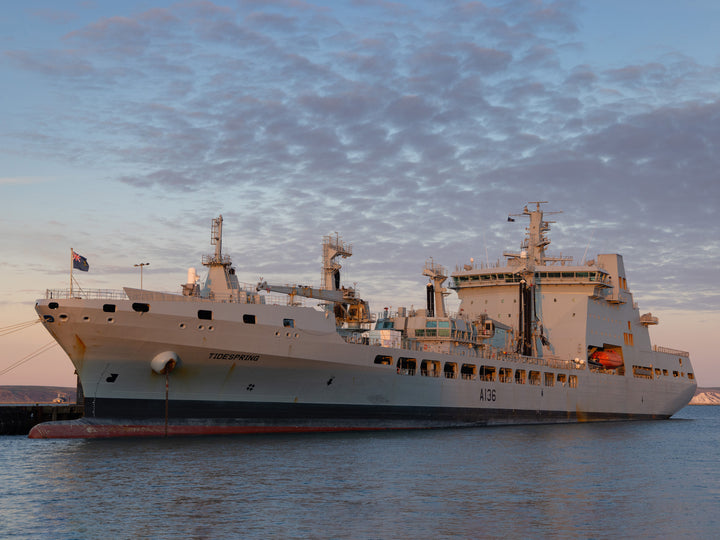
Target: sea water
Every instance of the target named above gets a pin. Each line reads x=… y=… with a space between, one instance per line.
x=656 y=479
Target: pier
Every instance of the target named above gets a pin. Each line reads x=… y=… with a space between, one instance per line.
x=18 y=419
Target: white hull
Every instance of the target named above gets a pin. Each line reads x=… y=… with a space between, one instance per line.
x=309 y=376
x=218 y=359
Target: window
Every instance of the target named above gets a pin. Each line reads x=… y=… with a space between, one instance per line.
x=549 y=379
x=430 y=368
x=53 y=305
x=249 y=319
x=534 y=378
x=573 y=382
x=406 y=366
x=487 y=373
x=505 y=375
x=109 y=308
x=205 y=314
x=289 y=323
x=468 y=371
x=140 y=307
x=561 y=379
x=450 y=370
x=519 y=376
x=384 y=360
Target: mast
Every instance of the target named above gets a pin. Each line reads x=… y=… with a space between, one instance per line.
x=333 y=247
x=221 y=282
x=435 y=291
x=532 y=255
x=216 y=237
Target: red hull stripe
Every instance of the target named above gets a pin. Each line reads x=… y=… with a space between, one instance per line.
x=85 y=431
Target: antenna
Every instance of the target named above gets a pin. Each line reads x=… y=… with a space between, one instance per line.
x=487 y=259
x=587 y=247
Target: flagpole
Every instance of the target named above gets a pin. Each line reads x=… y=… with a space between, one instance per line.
x=71 y=272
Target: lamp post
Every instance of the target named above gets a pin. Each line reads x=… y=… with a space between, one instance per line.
x=141 y=270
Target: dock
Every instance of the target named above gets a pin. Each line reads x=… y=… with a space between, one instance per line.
x=19 y=419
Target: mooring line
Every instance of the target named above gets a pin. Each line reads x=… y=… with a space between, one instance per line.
x=30 y=356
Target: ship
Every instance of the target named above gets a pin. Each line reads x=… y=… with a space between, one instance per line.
x=535 y=339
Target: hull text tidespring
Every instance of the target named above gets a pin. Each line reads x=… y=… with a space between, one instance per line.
x=537 y=339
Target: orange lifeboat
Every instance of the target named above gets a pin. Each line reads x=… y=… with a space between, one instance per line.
x=608 y=359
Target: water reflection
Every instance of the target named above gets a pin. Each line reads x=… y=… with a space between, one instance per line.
x=594 y=480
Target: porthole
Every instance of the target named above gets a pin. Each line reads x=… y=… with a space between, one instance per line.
x=86 y=318
x=211 y=328
x=201 y=327
x=53 y=305
x=277 y=333
x=63 y=317
x=110 y=320
x=182 y=325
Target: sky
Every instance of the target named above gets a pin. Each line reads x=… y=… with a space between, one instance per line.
x=412 y=129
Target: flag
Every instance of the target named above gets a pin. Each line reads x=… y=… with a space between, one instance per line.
x=511 y=219
x=80 y=262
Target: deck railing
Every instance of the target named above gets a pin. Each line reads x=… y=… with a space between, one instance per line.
x=148 y=295
x=491 y=353
x=674 y=352
x=109 y=294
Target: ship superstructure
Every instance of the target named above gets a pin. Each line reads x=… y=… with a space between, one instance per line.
x=537 y=339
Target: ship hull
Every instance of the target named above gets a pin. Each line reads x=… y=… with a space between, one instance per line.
x=233 y=376
x=226 y=418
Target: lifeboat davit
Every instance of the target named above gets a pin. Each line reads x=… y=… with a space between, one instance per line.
x=608 y=359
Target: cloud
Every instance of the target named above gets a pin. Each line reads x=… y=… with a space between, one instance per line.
x=417 y=133
x=22 y=180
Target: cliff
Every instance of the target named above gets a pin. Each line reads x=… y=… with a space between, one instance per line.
x=706 y=396
x=35 y=394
